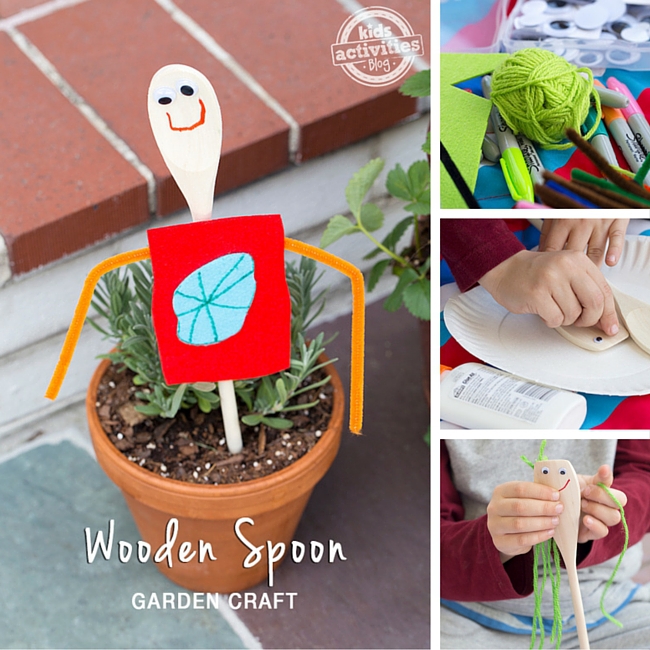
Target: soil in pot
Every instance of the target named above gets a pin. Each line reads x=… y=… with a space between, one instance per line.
x=191 y=447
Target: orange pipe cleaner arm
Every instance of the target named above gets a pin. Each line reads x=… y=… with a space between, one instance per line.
x=74 y=331
x=358 y=321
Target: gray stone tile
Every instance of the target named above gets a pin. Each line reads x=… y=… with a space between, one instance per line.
x=50 y=596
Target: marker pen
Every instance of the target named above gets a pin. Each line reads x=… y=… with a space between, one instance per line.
x=512 y=161
x=624 y=137
x=600 y=139
x=531 y=158
x=633 y=114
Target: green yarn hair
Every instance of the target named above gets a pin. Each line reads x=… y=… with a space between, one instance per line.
x=550 y=550
x=541 y=95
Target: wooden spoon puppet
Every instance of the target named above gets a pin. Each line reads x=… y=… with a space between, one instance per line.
x=560 y=475
x=221 y=307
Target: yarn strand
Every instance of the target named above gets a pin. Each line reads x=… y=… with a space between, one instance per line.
x=620 y=557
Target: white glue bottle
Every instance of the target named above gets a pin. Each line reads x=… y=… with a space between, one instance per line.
x=475 y=396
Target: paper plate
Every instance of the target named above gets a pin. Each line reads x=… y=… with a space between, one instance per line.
x=523 y=345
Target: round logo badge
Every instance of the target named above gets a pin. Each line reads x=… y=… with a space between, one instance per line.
x=376 y=46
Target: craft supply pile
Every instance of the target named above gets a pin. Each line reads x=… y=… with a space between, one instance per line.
x=572 y=82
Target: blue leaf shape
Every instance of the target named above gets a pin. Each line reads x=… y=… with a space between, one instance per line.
x=212 y=302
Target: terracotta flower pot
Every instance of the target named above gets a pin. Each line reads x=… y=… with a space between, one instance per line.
x=209 y=512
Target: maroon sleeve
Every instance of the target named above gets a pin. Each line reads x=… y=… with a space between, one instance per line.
x=470 y=566
x=632 y=476
x=472 y=247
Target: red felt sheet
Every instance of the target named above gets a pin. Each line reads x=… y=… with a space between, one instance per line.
x=262 y=346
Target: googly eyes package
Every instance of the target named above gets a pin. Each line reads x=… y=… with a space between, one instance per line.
x=598 y=35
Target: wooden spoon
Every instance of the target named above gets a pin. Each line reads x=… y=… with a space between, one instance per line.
x=635 y=315
x=592 y=338
x=185 y=118
x=559 y=474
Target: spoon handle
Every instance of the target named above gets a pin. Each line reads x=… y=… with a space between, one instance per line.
x=578 y=610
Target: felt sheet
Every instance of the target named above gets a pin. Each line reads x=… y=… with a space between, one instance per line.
x=603 y=411
x=463 y=119
x=212 y=303
x=221 y=306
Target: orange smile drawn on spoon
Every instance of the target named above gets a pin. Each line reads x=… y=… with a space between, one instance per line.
x=193 y=126
x=567 y=483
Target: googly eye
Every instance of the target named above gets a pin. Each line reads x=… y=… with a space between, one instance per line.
x=590 y=59
x=562 y=471
x=164 y=95
x=556 y=5
x=622 y=57
x=624 y=22
x=598 y=339
x=560 y=28
x=546 y=470
x=186 y=87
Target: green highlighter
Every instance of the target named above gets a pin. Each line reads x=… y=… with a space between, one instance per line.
x=513 y=164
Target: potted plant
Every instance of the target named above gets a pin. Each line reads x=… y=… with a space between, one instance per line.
x=165 y=448
x=411 y=264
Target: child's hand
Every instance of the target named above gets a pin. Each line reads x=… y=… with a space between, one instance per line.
x=520 y=515
x=563 y=288
x=589 y=234
x=599 y=512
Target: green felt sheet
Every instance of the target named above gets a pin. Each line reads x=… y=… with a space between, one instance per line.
x=463 y=119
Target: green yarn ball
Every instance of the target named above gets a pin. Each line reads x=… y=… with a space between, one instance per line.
x=540 y=95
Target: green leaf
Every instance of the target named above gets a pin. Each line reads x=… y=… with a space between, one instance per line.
x=360 y=183
x=417 y=299
x=418 y=208
x=398 y=184
x=204 y=386
x=177 y=399
x=252 y=419
x=394 y=301
x=371 y=217
x=213 y=398
x=282 y=390
x=376 y=272
x=204 y=404
x=277 y=423
x=419 y=85
x=392 y=238
x=419 y=177
x=426 y=147
x=148 y=409
x=337 y=227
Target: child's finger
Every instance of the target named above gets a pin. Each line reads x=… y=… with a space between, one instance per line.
x=606 y=514
x=616 y=241
x=597 y=529
x=598 y=495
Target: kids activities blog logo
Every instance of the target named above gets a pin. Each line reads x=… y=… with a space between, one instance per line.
x=376 y=46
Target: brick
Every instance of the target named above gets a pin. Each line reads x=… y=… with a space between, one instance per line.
x=286 y=46
x=108 y=51
x=62 y=185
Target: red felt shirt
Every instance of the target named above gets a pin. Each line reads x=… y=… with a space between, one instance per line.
x=478 y=574
x=262 y=346
x=472 y=247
